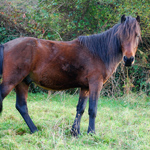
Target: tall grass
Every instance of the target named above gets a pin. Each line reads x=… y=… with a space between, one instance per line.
x=122 y=123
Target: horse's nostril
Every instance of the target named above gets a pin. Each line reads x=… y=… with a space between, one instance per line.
x=132 y=58
x=125 y=58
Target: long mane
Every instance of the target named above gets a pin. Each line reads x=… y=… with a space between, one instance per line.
x=107 y=45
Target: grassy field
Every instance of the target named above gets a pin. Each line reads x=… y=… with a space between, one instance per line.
x=122 y=123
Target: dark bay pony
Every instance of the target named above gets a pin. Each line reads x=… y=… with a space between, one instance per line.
x=86 y=62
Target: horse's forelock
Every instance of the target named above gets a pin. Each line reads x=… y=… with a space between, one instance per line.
x=129 y=29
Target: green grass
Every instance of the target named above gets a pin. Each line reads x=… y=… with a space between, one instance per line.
x=122 y=123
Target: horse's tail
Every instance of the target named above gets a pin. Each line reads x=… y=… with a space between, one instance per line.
x=1 y=72
x=1 y=59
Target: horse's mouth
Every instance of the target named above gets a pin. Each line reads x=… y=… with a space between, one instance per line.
x=128 y=64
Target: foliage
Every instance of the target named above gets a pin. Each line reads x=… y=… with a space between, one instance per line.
x=3 y=35
x=66 y=20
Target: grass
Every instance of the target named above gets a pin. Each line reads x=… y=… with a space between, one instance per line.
x=122 y=123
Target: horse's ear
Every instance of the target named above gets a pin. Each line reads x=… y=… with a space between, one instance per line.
x=123 y=18
x=138 y=19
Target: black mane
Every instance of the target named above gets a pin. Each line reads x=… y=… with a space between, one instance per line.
x=106 y=45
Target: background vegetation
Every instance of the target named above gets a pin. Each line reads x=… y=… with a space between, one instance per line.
x=66 y=20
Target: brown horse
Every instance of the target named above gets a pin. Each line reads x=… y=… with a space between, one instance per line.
x=86 y=62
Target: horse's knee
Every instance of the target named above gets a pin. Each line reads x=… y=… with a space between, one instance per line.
x=92 y=112
x=80 y=109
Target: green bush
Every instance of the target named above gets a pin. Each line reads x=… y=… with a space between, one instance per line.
x=66 y=20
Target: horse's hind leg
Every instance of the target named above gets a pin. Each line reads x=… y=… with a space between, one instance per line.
x=4 y=91
x=84 y=94
x=21 y=104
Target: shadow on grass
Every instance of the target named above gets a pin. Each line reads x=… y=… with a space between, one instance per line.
x=21 y=131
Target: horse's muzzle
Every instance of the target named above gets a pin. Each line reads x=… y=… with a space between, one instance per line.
x=128 y=61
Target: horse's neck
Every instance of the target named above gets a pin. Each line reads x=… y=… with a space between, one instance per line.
x=114 y=64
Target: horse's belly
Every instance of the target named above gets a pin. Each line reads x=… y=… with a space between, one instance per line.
x=58 y=85
x=61 y=77
x=55 y=82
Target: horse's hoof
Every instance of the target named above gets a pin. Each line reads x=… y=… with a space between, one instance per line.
x=74 y=132
x=36 y=130
x=91 y=132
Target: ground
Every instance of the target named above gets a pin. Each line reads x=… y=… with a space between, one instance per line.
x=121 y=123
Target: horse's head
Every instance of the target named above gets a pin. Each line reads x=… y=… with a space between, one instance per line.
x=130 y=35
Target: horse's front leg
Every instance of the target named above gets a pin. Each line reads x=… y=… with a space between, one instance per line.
x=94 y=90
x=84 y=94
